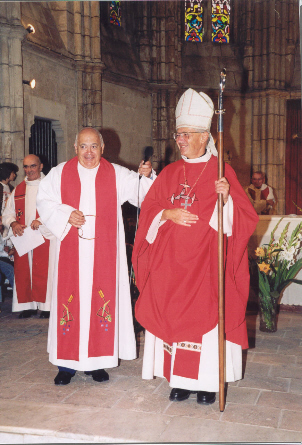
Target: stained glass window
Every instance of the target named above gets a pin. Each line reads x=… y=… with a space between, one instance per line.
x=115 y=13
x=221 y=21
x=193 y=21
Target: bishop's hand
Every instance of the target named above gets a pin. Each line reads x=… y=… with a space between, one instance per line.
x=180 y=216
x=77 y=219
x=222 y=186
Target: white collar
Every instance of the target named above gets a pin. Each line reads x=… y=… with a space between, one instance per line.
x=203 y=158
x=35 y=181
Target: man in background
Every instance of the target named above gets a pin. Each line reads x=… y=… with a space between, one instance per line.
x=260 y=194
x=33 y=281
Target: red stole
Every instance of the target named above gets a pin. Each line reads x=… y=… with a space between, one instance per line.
x=102 y=318
x=263 y=195
x=27 y=291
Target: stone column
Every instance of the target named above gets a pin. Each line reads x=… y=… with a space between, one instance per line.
x=88 y=62
x=160 y=52
x=11 y=86
x=269 y=31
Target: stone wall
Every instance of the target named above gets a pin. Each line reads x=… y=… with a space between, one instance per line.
x=127 y=80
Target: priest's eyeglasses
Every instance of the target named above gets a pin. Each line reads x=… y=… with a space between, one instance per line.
x=186 y=135
x=81 y=233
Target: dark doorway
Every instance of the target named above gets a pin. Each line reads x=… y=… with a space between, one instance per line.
x=42 y=143
x=293 y=159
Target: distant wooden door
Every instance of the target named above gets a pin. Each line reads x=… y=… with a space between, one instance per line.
x=293 y=158
x=42 y=143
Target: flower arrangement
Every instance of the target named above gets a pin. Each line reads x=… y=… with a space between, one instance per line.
x=278 y=264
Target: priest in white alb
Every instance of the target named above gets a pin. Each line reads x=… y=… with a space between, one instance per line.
x=91 y=324
x=33 y=271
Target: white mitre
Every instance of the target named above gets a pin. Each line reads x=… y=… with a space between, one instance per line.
x=195 y=110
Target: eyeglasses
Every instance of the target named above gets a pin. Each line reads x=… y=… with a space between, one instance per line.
x=81 y=234
x=185 y=135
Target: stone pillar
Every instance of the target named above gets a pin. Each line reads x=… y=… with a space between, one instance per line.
x=160 y=52
x=11 y=86
x=269 y=32
x=88 y=62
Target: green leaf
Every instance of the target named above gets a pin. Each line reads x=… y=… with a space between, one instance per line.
x=273 y=232
x=283 y=234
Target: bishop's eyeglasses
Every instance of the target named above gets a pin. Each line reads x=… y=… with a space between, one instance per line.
x=186 y=135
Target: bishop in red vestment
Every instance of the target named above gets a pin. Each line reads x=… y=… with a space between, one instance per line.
x=175 y=259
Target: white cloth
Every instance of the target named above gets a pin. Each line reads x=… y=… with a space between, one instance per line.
x=208 y=376
x=9 y=216
x=55 y=216
x=6 y=195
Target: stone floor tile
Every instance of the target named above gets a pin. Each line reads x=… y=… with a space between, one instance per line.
x=13 y=389
x=269 y=383
x=132 y=383
x=117 y=424
x=296 y=385
x=259 y=369
x=242 y=395
x=191 y=409
x=291 y=420
x=207 y=431
x=251 y=415
x=274 y=358
x=287 y=371
x=281 y=400
x=97 y=396
x=45 y=376
x=47 y=393
x=144 y=402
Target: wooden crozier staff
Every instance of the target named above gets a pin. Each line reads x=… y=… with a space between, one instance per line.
x=221 y=329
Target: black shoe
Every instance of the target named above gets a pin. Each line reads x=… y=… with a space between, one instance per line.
x=179 y=394
x=28 y=313
x=63 y=378
x=44 y=314
x=206 y=398
x=99 y=375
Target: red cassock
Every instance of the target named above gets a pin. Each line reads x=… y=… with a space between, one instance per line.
x=177 y=275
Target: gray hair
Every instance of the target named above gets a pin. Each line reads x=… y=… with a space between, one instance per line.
x=90 y=128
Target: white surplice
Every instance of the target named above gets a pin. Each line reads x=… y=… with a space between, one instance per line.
x=55 y=216
x=9 y=216
x=208 y=373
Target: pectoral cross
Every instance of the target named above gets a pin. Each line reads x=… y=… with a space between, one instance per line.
x=186 y=204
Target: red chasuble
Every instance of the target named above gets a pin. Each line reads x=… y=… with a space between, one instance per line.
x=177 y=275
x=30 y=290
x=102 y=319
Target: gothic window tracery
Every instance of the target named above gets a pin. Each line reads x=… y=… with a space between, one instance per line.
x=115 y=13
x=199 y=13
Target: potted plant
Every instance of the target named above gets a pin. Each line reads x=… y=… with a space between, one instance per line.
x=278 y=264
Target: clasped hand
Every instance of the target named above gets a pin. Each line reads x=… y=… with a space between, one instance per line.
x=180 y=216
x=18 y=229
